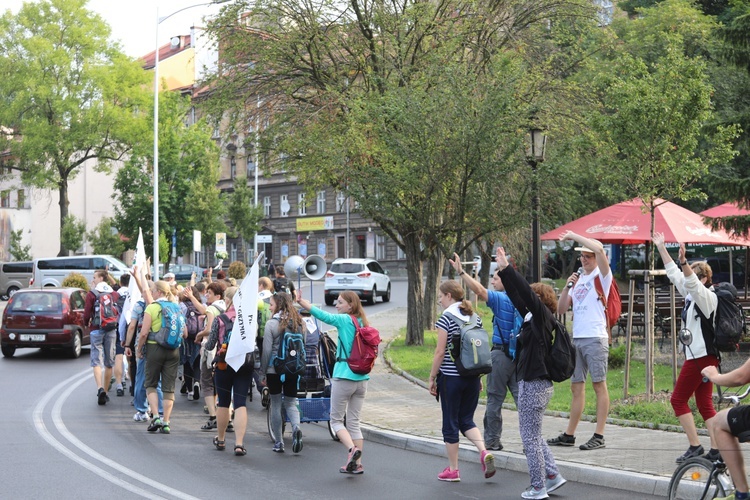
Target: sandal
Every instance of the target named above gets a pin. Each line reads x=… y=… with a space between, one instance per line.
x=240 y=450
x=219 y=444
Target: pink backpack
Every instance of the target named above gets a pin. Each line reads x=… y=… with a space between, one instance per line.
x=364 y=350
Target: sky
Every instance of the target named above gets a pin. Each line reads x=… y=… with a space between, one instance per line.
x=133 y=21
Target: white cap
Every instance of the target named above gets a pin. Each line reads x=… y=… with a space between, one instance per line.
x=168 y=276
x=103 y=287
x=264 y=294
x=583 y=249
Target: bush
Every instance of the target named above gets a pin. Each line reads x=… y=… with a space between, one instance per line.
x=617 y=356
x=76 y=280
x=237 y=270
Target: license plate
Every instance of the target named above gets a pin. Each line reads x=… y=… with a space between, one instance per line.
x=32 y=338
x=346 y=281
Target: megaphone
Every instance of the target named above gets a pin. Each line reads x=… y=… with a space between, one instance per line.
x=313 y=267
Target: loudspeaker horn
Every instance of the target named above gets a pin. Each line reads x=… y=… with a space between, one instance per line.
x=313 y=267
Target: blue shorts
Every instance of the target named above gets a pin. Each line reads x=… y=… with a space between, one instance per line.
x=103 y=348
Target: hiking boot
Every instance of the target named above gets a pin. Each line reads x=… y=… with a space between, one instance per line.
x=595 y=443
x=451 y=476
x=488 y=464
x=140 y=417
x=209 y=425
x=101 y=397
x=552 y=483
x=155 y=425
x=692 y=452
x=534 y=493
x=297 y=440
x=278 y=447
x=562 y=440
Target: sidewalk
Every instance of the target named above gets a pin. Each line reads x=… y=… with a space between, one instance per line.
x=402 y=413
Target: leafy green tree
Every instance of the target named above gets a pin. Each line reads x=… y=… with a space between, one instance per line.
x=105 y=238
x=69 y=95
x=72 y=232
x=17 y=250
x=242 y=213
x=188 y=176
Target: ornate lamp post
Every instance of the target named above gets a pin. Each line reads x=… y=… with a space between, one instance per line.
x=536 y=140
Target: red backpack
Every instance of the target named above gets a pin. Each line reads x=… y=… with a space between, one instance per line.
x=364 y=350
x=612 y=304
x=106 y=313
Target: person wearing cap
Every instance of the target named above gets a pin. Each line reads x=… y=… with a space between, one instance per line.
x=590 y=338
x=169 y=278
x=102 y=343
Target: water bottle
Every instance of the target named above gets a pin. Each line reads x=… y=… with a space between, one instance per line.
x=512 y=345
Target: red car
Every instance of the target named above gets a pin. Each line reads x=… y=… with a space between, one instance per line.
x=45 y=318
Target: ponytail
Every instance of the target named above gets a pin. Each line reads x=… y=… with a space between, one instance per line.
x=466 y=308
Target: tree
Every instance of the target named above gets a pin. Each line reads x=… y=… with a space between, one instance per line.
x=105 y=239
x=244 y=216
x=68 y=95
x=72 y=232
x=188 y=176
x=17 y=250
x=359 y=93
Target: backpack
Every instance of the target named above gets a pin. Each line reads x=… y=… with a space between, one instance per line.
x=172 y=325
x=728 y=321
x=313 y=379
x=328 y=349
x=560 y=359
x=281 y=284
x=224 y=336
x=613 y=304
x=471 y=349
x=364 y=350
x=195 y=321
x=290 y=358
x=106 y=312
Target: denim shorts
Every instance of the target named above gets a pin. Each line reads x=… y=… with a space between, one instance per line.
x=592 y=356
x=103 y=346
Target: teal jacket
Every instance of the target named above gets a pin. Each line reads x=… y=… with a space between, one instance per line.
x=345 y=327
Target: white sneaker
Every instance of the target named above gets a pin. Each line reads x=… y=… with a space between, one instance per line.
x=140 y=417
x=552 y=484
x=534 y=493
x=190 y=396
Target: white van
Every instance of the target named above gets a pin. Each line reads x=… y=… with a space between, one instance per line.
x=53 y=270
x=13 y=277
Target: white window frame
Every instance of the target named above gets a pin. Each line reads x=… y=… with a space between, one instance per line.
x=340 y=202
x=267 y=206
x=283 y=198
x=380 y=247
x=321 y=202
x=301 y=204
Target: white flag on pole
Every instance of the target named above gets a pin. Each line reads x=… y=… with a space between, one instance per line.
x=246 y=323
x=134 y=294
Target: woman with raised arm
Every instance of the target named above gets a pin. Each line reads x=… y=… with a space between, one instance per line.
x=348 y=389
x=693 y=283
x=537 y=303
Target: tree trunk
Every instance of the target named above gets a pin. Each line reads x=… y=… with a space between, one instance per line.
x=64 y=204
x=414 y=295
x=433 y=274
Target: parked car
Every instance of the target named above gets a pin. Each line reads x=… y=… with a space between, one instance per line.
x=720 y=268
x=45 y=318
x=478 y=266
x=365 y=277
x=51 y=272
x=13 y=277
x=183 y=272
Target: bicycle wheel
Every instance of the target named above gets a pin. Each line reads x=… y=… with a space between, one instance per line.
x=690 y=479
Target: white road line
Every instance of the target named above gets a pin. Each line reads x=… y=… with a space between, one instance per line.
x=72 y=384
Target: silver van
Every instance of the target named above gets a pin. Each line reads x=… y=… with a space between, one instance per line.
x=13 y=277
x=53 y=270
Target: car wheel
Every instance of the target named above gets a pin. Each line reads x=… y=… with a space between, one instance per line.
x=329 y=300
x=10 y=292
x=75 y=350
x=387 y=296
x=8 y=350
x=371 y=300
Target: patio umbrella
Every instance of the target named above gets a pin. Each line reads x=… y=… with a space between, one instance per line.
x=730 y=210
x=628 y=223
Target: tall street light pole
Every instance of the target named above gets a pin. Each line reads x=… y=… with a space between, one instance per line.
x=536 y=140
x=159 y=20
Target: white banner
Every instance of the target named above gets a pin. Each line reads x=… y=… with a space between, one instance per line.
x=134 y=294
x=196 y=241
x=246 y=323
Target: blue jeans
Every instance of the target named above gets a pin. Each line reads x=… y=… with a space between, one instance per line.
x=139 y=397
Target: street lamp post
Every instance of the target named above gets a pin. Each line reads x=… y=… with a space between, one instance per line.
x=159 y=20
x=536 y=142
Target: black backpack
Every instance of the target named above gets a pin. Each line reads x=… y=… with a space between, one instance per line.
x=561 y=355
x=281 y=284
x=728 y=323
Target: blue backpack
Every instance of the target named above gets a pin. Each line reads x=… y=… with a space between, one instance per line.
x=290 y=358
x=172 y=325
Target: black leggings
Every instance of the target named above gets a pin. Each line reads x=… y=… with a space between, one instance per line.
x=231 y=386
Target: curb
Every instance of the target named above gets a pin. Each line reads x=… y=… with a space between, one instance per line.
x=633 y=482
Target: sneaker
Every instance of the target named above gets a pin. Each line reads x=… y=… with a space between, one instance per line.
x=165 y=428
x=265 y=397
x=358 y=470
x=691 y=452
x=183 y=389
x=230 y=427
x=488 y=464
x=278 y=447
x=595 y=443
x=101 y=397
x=534 y=493
x=452 y=476
x=494 y=447
x=196 y=391
x=140 y=417
x=190 y=396
x=552 y=483
x=155 y=425
x=562 y=440
x=713 y=455
x=120 y=391
x=352 y=457
x=297 y=440
x=210 y=425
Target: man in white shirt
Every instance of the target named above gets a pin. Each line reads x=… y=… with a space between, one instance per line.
x=590 y=338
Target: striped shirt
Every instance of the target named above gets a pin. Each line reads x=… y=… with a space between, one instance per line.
x=446 y=323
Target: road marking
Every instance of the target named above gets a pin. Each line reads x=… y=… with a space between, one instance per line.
x=73 y=383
